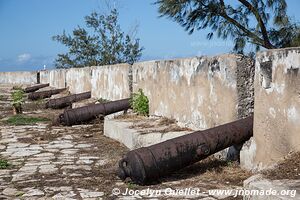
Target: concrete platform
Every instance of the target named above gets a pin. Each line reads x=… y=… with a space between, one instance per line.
x=136 y=132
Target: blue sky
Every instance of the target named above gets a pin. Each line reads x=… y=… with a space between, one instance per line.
x=28 y=25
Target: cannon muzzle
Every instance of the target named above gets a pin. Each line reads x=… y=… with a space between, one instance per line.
x=86 y=113
x=67 y=101
x=147 y=164
x=35 y=87
x=44 y=94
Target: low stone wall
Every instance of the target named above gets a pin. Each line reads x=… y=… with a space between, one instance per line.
x=18 y=77
x=111 y=82
x=79 y=79
x=58 y=78
x=277 y=108
x=199 y=92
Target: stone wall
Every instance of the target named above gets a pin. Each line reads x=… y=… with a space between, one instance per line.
x=58 y=78
x=277 y=108
x=79 y=79
x=110 y=82
x=44 y=76
x=18 y=77
x=199 y=92
x=203 y=92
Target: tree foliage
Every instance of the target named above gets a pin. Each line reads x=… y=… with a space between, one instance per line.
x=107 y=44
x=272 y=27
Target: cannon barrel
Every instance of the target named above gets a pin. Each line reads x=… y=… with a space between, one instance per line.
x=87 y=113
x=35 y=87
x=68 y=100
x=147 y=164
x=44 y=94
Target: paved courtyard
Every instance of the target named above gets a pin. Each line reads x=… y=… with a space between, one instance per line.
x=79 y=162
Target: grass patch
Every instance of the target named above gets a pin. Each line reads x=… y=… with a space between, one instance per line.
x=4 y=164
x=131 y=185
x=25 y=120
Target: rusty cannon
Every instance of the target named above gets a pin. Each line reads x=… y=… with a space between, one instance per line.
x=87 y=113
x=44 y=94
x=67 y=101
x=147 y=164
x=35 y=88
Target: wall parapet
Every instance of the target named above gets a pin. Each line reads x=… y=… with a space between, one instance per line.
x=276 y=107
x=18 y=77
x=199 y=92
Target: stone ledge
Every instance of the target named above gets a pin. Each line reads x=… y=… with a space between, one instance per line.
x=133 y=137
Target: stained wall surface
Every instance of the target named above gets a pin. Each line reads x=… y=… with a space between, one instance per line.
x=111 y=82
x=58 y=78
x=277 y=106
x=199 y=92
x=79 y=79
x=18 y=77
x=44 y=76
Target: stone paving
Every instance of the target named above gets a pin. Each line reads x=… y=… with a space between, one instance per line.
x=78 y=162
x=48 y=168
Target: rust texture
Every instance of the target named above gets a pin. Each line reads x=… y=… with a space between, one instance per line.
x=147 y=164
x=87 y=113
x=67 y=101
x=44 y=94
x=35 y=87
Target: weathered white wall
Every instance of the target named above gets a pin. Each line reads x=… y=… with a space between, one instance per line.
x=110 y=82
x=79 y=79
x=199 y=92
x=57 y=78
x=276 y=108
x=44 y=76
x=18 y=77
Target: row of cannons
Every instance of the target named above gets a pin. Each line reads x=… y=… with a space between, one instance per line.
x=147 y=164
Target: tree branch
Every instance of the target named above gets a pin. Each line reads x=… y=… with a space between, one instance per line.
x=262 y=26
x=240 y=26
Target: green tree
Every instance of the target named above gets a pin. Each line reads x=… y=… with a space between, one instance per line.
x=106 y=44
x=264 y=23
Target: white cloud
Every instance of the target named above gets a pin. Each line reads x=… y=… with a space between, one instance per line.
x=24 y=57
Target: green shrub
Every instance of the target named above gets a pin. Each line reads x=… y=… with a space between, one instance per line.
x=140 y=103
x=4 y=164
x=17 y=97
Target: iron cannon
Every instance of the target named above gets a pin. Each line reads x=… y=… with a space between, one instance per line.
x=35 y=87
x=68 y=100
x=147 y=164
x=87 y=113
x=44 y=94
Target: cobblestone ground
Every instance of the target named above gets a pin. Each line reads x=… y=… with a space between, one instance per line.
x=79 y=162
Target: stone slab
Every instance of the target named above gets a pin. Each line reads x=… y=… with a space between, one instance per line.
x=134 y=138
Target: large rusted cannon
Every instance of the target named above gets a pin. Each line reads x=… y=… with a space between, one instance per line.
x=147 y=164
x=87 y=113
x=44 y=94
x=35 y=87
x=68 y=100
